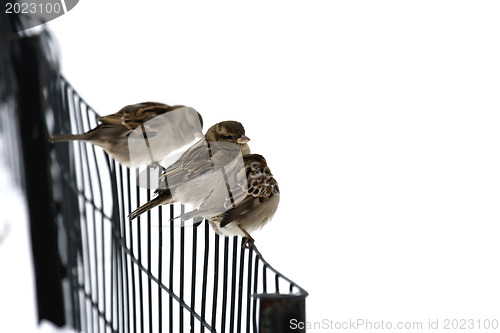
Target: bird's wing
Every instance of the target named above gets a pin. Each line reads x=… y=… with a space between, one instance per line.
x=195 y=162
x=259 y=187
x=140 y=113
x=114 y=119
x=233 y=214
x=200 y=159
x=132 y=116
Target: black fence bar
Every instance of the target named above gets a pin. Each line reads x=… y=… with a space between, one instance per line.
x=249 y=289
x=255 y=286
x=160 y=268
x=124 y=261
x=233 y=285
x=240 y=288
x=216 y=282
x=133 y=318
x=149 y=246
x=205 y=275
x=139 y=256
x=193 y=277
x=181 y=273
x=171 y=272
x=225 y=283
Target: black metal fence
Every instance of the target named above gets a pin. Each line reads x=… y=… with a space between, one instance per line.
x=106 y=273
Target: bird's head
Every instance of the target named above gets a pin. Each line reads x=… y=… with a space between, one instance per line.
x=227 y=131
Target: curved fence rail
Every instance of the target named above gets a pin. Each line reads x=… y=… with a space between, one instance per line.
x=149 y=274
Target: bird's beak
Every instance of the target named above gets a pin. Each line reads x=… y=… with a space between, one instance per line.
x=242 y=139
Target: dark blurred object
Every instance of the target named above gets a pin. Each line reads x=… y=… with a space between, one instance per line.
x=282 y=313
x=23 y=104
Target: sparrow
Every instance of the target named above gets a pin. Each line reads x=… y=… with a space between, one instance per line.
x=192 y=178
x=143 y=133
x=247 y=207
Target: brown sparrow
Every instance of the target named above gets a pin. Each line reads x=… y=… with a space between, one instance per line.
x=246 y=207
x=143 y=133
x=194 y=175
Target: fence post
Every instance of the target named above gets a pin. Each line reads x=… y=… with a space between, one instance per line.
x=27 y=59
x=280 y=313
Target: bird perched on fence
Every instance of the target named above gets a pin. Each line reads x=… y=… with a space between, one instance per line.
x=143 y=133
x=193 y=176
x=248 y=206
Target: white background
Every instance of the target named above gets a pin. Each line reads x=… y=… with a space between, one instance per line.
x=379 y=119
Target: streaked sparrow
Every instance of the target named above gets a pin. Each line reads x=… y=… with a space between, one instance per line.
x=192 y=178
x=248 y=207
x=143 y=133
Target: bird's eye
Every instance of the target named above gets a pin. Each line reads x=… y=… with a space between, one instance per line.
x=230 y=137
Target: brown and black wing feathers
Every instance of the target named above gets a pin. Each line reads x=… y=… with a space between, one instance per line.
x=260 y=187
x=195 y=162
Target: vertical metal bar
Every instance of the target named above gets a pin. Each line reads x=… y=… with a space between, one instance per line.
x=205 y=270
x=193 y=275
x=160 y=269
x=119 y=251
x=181 y=275
x=99 y=187
x=86 y=175
x=216 y=280
x=171 y=272
x=120 y=220
x=82 y=221
x=277 y=283
x=132 y=264
x=112 y=278
x=264 y=278
x=233 y=283
x=139 y=258
x=150 y=287
x=224 y=284
x=125 y=282
x=118 y=234
x=240 y=286
x=56 y=96
x=74 y=218
x=249 y=287
x=255 y=286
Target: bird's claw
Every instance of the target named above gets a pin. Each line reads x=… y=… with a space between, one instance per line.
x=247 y=242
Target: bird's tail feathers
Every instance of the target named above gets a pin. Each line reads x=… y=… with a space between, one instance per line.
x=159 y=200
